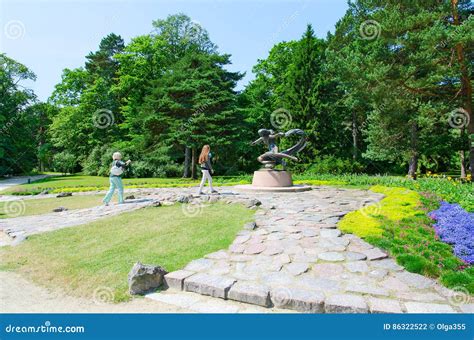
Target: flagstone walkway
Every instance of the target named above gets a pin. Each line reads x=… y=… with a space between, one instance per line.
x=297 y=259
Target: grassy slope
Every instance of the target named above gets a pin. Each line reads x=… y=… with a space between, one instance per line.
x=100 y=254
x=42 y=206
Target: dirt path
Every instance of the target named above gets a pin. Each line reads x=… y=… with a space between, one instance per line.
x=11 y=182
x=18 y=295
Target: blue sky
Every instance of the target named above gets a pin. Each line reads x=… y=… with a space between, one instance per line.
x=48 y=36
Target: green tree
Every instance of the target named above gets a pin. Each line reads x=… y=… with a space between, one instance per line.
x=17 y=127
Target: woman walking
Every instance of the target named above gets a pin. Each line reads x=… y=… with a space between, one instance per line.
x=118 y=167
x=206 y=168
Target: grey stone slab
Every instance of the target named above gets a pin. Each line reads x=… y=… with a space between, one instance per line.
x=298 y=299
x=331 y=256
x=310 y=232
x=175 y=279
x=467 y=308
x=199 y=265
x=415 y=280
x=357 y=267
x=388 y=264
x=253 y=249
x=213 y=285
x=421 y=297
x=378 y=273
x=354 y=256
x=273 y=250
x=384 y=306
x=421 y=307
x=394 y=284
x=297 y=268
x=375 y=254
x=330 y=233
x=252 y=293
x=218 y=255
x=319 y=284
x=241 y=239
x=327 y=270
x=346 y=303
x=366 y=289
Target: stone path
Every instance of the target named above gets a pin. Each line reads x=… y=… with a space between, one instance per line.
x=19 y=228
x=297 y=259
x=10 y=182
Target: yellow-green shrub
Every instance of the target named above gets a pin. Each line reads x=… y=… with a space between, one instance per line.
x=398 y=203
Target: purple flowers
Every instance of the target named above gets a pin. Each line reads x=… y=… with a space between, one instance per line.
x=455 y=226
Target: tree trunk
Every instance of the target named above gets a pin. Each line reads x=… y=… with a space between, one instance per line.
x=187 y=160
x=413 y=163
x=463 y=164
x=466 y=88
x=193 y=163
x=354 y=136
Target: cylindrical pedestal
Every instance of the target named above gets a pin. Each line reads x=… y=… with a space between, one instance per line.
x=272 y=178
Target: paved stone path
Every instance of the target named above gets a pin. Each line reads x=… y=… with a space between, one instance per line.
x=10 y=182
x=297 y=259
x=19 y=228
x=292 y=258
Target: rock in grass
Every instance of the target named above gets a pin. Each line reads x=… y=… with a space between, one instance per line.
x=64 y=194
x=143 y=278
x=59 y=209
x=130 y=197
x=253 y=203
x=184 y=198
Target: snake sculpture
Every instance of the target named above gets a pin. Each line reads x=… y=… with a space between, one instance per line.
x=274 y=157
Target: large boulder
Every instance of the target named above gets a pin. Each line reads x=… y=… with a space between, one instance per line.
x=143 y=278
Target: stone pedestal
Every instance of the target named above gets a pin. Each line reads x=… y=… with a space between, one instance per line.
x=272 y=178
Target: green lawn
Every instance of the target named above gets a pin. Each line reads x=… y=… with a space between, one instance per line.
x=46 y=205
x=100 y=254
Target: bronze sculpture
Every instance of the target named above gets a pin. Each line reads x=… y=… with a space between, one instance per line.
x=273 y=157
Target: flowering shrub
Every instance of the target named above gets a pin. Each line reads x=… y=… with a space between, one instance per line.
x=455 y=226
x=400 y=224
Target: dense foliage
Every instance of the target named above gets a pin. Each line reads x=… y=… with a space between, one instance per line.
x=389 y=92
x=456 y=226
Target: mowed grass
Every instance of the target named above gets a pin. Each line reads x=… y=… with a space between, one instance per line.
x=98 y=256
x=29 y=207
